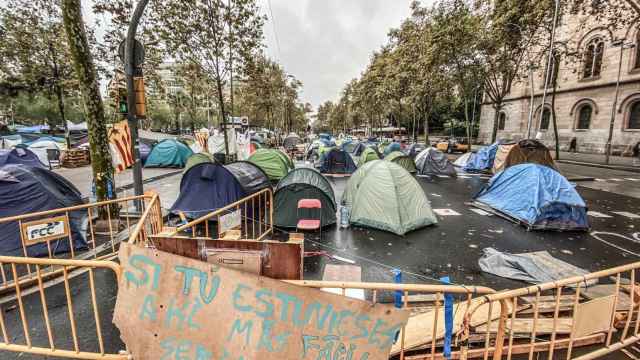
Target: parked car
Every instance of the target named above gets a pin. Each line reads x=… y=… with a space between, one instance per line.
x=451 y=145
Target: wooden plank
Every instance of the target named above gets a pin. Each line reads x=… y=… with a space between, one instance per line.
x=594 y=316
x=519 y=348
x=599 y=291
x=547 y=304
x=525 y=326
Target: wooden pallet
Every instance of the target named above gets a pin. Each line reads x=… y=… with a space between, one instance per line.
x=75 y=158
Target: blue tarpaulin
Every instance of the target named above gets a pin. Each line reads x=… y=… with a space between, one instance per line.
x=20 y=155
x=483 y=159
x=394 y=146
x=537 y=196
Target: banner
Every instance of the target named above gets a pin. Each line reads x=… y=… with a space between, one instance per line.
x=172 y=307
x=120 y=146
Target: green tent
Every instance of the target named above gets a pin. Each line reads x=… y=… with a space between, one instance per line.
x=403 y=160
x=383 y=195
x=368 y=154
x=168 y=153
x=196 y=159
x=303 y=183
x=273 y=162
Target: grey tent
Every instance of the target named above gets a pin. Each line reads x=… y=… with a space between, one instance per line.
x=303 y=183
x=432 y=161
x=383 y=195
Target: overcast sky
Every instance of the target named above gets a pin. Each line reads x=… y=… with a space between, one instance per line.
x=325 y=43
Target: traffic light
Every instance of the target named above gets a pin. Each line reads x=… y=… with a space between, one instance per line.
x=122 y=101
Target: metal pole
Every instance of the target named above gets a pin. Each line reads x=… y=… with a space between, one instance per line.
x=533 y=89
x=613 y=109
x=473 y=115
x=131 y=98
x=550 y=58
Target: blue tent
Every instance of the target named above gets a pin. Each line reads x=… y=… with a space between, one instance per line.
x=24 y=190
x=394 y=146
x=483 y=159
x=20 y=155
x=536 y=196
x=337 y=161
x=145 y=150
x=168 y=153
x=208 y=186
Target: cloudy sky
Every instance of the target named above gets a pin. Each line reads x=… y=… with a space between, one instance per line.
x=325 y=43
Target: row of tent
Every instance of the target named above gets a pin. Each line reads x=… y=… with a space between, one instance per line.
x=504 y=154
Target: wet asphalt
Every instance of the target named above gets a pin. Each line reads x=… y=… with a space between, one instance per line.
x=450 y=248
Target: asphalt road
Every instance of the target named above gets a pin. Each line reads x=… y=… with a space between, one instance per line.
x=452 y=247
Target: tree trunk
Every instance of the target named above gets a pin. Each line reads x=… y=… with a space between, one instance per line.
x=59 y=93
x=496 y=117
x=93 y=107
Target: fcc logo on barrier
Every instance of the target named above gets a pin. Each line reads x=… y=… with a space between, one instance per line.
x=35 y=232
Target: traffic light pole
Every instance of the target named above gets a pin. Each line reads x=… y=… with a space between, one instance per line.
x=130 y=69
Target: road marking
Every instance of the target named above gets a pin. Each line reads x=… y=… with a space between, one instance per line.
x=436 y=195
x=627 y=214
x=598 y=214
x=600 y=180
x=480 y=212
x=632 y=179
x=446 y=212
x=467 y=177
x=443 y=176
x=615 y=179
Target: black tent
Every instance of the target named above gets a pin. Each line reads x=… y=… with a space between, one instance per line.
x=20 y=155
x=207 y=187
x=432 y=161
x=24 y=190
x=415 y=149
x=303 y=183
x=337 y=161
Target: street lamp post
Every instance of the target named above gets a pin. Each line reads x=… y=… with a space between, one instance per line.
x=550 y=58
x=531 y=68
x=622 y=46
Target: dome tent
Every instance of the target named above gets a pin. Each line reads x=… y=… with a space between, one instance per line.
x=483 y=159
x=403 y=160
x=208 y=186
x=20 y=155
x=383 y=195
x=432 y=161
x=273 y=162
x=416 y=149
x=196 y=159
x=337 y=161
x=387 y=149
x=501 y=156
x=25 y=189
x=303 y=183
x=536 y=196
x=530 y=151
x=168 y=153
x=40 y=147
x=369 y=154
x=462 y=160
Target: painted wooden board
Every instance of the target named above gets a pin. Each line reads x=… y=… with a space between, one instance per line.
x=170 y=306
x=346 y=273
x=594 y=316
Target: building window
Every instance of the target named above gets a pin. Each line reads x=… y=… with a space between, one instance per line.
x=584 y=117
x=634 y=116
x=593 y=58
x=546 y=118
x=502 y=120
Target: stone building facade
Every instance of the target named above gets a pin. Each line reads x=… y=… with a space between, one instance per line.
x=588 y=67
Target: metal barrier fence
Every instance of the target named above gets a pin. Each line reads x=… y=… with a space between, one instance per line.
x=33 y=303
x=253 y=215
x=55 y=233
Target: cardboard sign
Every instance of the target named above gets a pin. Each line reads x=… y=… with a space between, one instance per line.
x=38 y=231
x=230 y=221
x=171 y=307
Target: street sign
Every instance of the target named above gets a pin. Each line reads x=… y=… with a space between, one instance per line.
x=138 y=52
x=35 y=232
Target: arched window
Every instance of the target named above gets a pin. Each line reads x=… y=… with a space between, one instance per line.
x=584 y=117
x=634 y=116
x=546 y=118
x=593 y=58
x=502 y=120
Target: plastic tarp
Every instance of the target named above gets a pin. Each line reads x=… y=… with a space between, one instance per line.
x=207 y=187
x=196 y=159
x=22 y=156
x=33 y=129
x=462 y=160
x=383 y=195
x=501 y=157
x=303 y=183
x=39 y=147
x=483 y=159
x=369 y=154
x=535 y=196
x=215 y=143
x=169 y=153
x=337 y=161
x=403 y=160
x=273 y=162
x=432 y=161
x=536 y=267
x=26 y=190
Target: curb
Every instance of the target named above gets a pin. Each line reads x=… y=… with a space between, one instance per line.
x=602 y=166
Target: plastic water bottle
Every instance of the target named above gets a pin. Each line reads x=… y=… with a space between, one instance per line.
x=344 y=216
